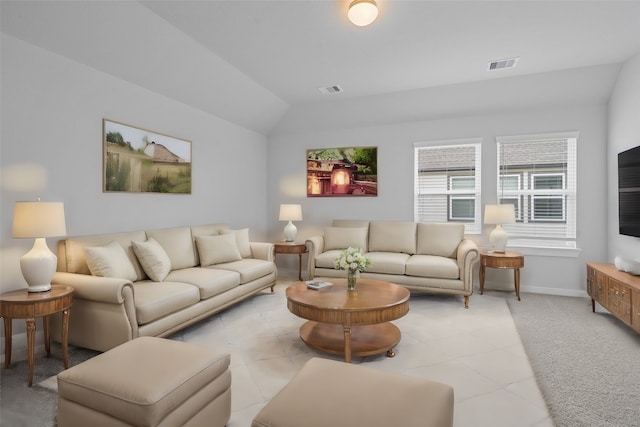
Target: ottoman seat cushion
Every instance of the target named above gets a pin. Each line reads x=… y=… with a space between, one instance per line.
x=331 y=393
x=143 y=381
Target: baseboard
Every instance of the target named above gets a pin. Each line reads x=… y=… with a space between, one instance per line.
x=19 y=347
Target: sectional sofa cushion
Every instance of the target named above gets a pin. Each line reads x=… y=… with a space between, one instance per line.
x=217 y=249
x=344 y=237
x=387 y=262
x=327 y=259
x=210 y=281
x=439 y=239
x=392 y=236
x=178 y=244
x=109 y=260
x=432 y=266
x=153 y=258
x=249 y=269
x=159 y=299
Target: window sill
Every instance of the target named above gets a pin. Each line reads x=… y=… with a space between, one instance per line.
x=551 y=251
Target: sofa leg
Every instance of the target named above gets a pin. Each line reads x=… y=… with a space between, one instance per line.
x=273 y=288
x=466 y=301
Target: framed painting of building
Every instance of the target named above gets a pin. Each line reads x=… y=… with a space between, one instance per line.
x=342 y=172
x=140 y=161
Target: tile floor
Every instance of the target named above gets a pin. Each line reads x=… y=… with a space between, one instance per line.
x=477 y=351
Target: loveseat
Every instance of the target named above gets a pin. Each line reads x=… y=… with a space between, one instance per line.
x=156 y=282
x=424 y=257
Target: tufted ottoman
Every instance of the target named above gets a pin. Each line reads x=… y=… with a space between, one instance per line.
x=330 y=393
x=147 y=382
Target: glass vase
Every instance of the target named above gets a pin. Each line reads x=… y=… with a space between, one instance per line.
x=352 y=278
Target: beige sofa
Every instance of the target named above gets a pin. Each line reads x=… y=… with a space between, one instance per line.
x=424 y=257
x=157 y=281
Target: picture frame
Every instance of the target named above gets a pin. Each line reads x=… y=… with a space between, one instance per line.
x=137 y=160
x=342 y=172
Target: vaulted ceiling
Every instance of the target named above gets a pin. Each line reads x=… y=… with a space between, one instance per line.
x=260 y=63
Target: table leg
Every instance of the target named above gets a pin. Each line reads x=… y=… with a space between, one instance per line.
x=347 y=344
x=7 y=341
x=47 y=337
x=31 y=341
x=65 y=338
x=481 y=279
x=516 y=279
x=300 y=267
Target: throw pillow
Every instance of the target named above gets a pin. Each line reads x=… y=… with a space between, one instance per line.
x=109 y=261
x=153 y=258
x=344 y=237
x=242 y=240
x=217 y=249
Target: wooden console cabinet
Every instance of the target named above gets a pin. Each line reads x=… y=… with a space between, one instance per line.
x=615 y=290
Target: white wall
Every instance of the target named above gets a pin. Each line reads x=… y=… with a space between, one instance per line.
x=52 y=111
x=550 y=274
x=624 y=133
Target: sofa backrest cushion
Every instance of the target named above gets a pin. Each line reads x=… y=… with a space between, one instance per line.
x=110 y=261
x=392 y=236
x=344 y=237
x=350 y=223
x=178 y=244
x=72 y=259
x=217 y=249
x=242 y=241
x=153 y=258
x=439 y=239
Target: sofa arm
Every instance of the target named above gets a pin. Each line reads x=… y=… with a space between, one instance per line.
x=466 y=256
x=262 y=250
x=315 y=246
x=95 y=288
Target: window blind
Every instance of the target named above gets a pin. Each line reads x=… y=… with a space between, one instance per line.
x=447 y=183
x=538 y=176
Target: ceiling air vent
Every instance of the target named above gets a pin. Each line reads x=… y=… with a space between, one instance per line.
x=330 y=89
x=502 y=63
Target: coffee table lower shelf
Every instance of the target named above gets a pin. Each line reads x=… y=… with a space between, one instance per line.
x=366 y=340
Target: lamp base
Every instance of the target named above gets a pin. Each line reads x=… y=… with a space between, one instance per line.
x=290 y=232
x=38 y=266
x=498 y=239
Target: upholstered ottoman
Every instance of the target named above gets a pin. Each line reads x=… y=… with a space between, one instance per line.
x=330 y=393
x=147 y=382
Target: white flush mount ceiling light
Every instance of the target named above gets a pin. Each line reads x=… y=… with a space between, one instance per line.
x=362 y=12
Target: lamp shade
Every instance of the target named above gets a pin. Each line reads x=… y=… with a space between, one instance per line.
x=362 y=12
x=499 y=214
x=38 y=219
x=290 y=213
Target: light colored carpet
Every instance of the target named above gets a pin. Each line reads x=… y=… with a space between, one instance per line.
x=477 y=351
x=587 y=364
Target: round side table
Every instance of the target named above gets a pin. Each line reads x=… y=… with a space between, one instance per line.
x=503 y=260
x=21 y=304
x=291 y=248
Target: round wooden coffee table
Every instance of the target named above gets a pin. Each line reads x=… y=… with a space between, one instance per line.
x=353 y=323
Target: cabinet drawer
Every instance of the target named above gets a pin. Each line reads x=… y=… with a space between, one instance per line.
x=619 y=300
x=635 y=310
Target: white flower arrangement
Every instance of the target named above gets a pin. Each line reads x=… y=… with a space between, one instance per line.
x=352 y=259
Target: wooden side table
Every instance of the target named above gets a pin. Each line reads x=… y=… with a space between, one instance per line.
x=21 y=304
x=514 y=260
x=291 y=248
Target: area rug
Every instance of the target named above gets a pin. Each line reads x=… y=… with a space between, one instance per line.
x=587 y=364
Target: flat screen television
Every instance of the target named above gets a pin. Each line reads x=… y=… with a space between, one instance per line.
x=629 y=192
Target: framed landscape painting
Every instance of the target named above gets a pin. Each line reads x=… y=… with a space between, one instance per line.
x=342 y=172
x=140 y=161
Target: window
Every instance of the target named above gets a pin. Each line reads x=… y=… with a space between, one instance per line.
x=537 y=174
x=447 y=183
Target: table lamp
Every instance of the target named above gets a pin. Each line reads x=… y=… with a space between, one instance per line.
x=38 y=220
x=290 y=213
x=498 y=215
